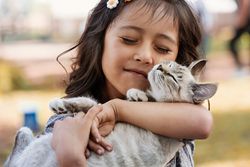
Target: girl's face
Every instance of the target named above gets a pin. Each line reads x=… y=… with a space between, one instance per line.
x=133 y=44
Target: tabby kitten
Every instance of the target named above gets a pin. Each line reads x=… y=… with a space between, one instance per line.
x=169 y=82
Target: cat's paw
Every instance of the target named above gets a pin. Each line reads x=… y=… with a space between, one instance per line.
x=71 y=105
x=136 y=95
x=57 y=106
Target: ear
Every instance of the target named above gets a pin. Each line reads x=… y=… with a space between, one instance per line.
x=203 y=92
x=197 y=66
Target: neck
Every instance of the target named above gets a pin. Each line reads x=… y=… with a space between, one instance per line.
x=110 y=92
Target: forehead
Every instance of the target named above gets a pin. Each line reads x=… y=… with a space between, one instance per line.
x=147 y=15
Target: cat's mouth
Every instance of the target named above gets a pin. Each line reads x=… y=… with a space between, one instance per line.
x=138 y=72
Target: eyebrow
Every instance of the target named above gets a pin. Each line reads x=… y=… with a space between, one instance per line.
x=165 y=36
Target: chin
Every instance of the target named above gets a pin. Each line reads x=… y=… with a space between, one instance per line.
x=141 y=86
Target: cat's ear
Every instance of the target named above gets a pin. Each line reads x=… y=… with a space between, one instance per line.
x=197 y=66
x=203 y=91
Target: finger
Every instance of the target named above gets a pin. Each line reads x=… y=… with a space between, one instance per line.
x=95 y=132
x=80 y=115
x=91 y=114
x=87 y=153
x=105 y=144
x=97 y=148
x=105 y=130
x=89 y=117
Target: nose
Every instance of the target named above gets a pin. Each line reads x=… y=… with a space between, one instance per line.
x=144 y=54
x=159 y=68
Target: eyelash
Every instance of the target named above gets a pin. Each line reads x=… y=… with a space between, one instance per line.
x=129 y=41
x=162 y=50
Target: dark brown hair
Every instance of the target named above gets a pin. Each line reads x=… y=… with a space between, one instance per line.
x=87 y=77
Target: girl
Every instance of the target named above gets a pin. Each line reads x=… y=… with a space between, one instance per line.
x=122 y=41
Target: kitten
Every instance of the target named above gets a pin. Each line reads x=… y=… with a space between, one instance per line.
x=169 y=82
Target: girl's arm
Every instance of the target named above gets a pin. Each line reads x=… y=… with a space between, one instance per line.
x=176 y=120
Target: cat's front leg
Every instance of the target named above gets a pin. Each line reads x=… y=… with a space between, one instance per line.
x=136 y=95
x=71 y=105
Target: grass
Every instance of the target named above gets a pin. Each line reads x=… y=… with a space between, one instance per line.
x=229 y=139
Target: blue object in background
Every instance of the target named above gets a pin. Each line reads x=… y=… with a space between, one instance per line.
x=30 y=119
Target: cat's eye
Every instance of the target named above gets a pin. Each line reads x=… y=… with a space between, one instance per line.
x=170 y=75
x=129 y=41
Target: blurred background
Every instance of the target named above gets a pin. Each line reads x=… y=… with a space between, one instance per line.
x=34 y=32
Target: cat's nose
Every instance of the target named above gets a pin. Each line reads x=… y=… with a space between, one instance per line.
x=160 y=68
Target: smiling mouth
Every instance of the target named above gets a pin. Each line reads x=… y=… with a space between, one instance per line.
x=137 y=72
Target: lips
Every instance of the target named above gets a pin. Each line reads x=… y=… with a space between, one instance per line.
x=138 y=72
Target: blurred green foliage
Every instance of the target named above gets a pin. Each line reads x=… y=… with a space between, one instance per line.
x=229 y=139
x=11 y=77
x=8 y=38
x=221 y=43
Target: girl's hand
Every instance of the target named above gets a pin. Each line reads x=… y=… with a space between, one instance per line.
x=101 y=127
x=70 y=139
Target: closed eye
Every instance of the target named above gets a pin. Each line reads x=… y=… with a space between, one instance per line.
x=172 y=77
x=162 y=50
x=128 y=41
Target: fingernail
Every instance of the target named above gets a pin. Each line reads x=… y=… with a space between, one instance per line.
x=100 y=151
x=109 y=148
x=87 y=154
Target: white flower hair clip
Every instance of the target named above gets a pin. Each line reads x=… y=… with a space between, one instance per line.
x=111 y=4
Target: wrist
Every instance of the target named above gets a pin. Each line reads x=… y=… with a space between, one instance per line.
x=73 y=162
x=116 y=104
x=75 y=159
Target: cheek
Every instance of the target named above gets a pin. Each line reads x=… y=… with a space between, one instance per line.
x=169 y=57
x=108 y=65
x=110 y=54
x=112 y=61
x=112 y=65
x=164 y=58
